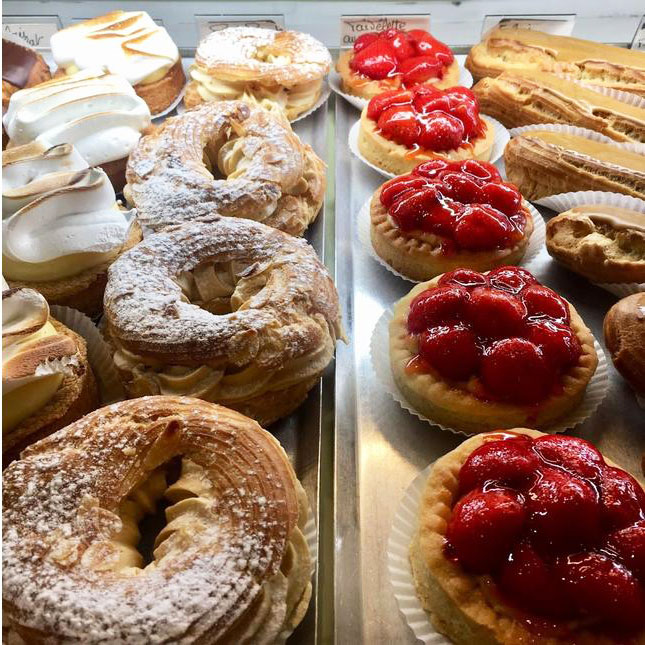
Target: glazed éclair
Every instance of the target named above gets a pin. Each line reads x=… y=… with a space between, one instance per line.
x=231 y=559
x=517 y=99
x=126 y=43
x=449 y=214
x=600 y=242
x=283 y=69
x=46 y=379
x=395 y=59
x=230 y=311
x=624 y=329
x=98 y=113
x=225 y=158
x=527 y=50
x=22 y=66
x=476 y=351
x=62 y=242
x=542 y=163
x=530 y=538
x=403 y=128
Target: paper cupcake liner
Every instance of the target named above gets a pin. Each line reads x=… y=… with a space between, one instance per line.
x=565 y=201
x=465 y=80
x=380 y=355
x=502 y=137
x=536 y=241
x=99 y=352
x=580 y=132
x=403 y=529
x=175 y=104
x=310 y=533
x=322 y=99
x=625 y=97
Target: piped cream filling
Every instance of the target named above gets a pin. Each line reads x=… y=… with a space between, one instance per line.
x=293 y=101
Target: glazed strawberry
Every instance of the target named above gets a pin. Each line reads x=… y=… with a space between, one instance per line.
x=430 y=99
x=623 y=498
x=559 y=345
x=542 y=302
x=437 y=306
x=463 y=277
x=461 y=187
x=513 y=369
x=603 y=590
x=426 y=45
x=401 y=44
x=400 y=124
x=440 y=131
x=364 y=40
x=563 y=511
x=432 y=168
x=377 y=60
x=628 y=545
x=483 y=528
x=420 y=69
x=496 y=314
x=530 y=583
x=509 y=462
x=482 y=228
x=407 y=211
x=573 y=454
x=380 y=103
x=502 y=196
x=451 y=350
x=401 y=187
x=511 y=279
x=468 y=114
x=480 y=169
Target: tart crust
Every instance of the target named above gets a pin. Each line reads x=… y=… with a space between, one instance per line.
x=417 y=254
x=451 y=404
x=461 y=605
x=367 y=88
x=399 y=159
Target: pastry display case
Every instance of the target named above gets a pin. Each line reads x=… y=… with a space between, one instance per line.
x=357 y=444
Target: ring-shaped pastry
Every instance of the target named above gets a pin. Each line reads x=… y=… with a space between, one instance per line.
x=230 y=311
x=225 y=158
x=230 y=565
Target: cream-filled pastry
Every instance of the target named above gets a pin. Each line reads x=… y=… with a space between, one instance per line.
x=62 y=243
x=99 y=113
x=34 y=169
x=127 y=43
x=271 y=68
x=46 y=381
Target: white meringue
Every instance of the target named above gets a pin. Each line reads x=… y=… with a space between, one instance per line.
x=66 y=231
x=128 y=43
x=99 y=113
x=34 y=169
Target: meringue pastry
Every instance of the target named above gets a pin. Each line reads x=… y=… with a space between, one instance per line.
x=99 y=113
x=34 y=169
x=62 y=243
x=46 y=380
x=126 y=43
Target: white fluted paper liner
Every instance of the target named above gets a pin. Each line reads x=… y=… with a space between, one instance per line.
x=625 y=97
x=310 y=533
x=99 y=353
x=363 y=225
x=592 y=135
x=565 y=201
x=175 y=104
x=380 y=354
x=502 y=137
x=403 y=529
x=465 y=80
x=322 y=99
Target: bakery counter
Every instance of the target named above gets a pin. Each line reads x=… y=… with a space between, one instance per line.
x=380 y=447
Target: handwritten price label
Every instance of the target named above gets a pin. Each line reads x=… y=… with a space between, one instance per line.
x=32 y=32
x=555 y=24
x=638 y=41
x=351 y=27
x=208 y=24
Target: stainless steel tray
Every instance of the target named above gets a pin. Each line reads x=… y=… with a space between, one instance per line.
x=380 y=447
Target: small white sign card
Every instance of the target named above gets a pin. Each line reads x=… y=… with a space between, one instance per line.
x=207 y=24
x=559 y=24
x=34 y=31
x=638 y=41
x=351 y=27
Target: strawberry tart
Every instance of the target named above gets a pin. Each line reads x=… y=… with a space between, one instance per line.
x=524 y=537
x=449 y=214
x=477 y=352
x=395 y=59
x=400 y=129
